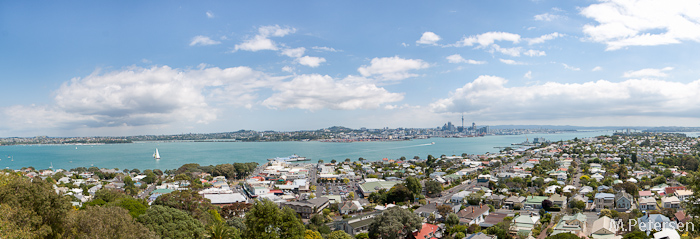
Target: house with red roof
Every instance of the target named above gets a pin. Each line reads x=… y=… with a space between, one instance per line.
x=427 y=231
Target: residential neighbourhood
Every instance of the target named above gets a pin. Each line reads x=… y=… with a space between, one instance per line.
x=582 y=187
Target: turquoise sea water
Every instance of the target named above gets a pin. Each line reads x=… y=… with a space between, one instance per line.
x=174 y=154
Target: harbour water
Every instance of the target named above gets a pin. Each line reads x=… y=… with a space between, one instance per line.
x=174 y=154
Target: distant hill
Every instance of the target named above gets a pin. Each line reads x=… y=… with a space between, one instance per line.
x=567 y=127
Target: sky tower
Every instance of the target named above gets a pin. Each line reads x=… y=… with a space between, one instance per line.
x=462 y=122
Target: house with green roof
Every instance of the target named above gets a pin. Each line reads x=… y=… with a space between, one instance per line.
x=524 y=223
x=534 y=201
x=370 y=187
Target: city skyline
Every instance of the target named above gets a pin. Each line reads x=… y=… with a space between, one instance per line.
x=127 y=68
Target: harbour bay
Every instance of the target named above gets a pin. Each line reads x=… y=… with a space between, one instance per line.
x=174 y=154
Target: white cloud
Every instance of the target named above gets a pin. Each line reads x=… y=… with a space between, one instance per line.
x=203 y=41
x=311 y=61
x=512 y=62
x=489 y=98
x=648 y=72
x=324 y=48
x=528 y=75
x=210 y=14
x=145 y=96
x=288 y=69
x=548 y=17
x=262 y=40
x=544 y=38
x=294 y=52
x=315 y=92
x=622 y=23
x=513 y=51
x=456 y=58
x=568 y=67
x=429 y=38
x=488 y=38
x=404 y=44
x=597 y=68
x=392 y=68
x=534 y=53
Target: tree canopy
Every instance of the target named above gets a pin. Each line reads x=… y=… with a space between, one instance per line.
x=394 y=223
x=266 y=221
x=105 y=222
x=169 y=222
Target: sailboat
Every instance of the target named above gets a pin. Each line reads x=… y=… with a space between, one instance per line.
x=156 y=155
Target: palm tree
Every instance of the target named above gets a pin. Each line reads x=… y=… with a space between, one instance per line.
x=220 y=231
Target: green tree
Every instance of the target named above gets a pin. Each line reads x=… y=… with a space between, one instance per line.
x=219 y=230
x=452 y=220
x=169 y=222
x=339 y=235
x=226 y=170
x=105 y=222
x=394 y=223
x=38 y=207
x=399 y=193
x=433 y=188
x=135 y=207
x=266 y=221
x=363 y=235
x=310 y=234
x=188 y=201
x=413 y=184
x=636 y=235
x=9 y=228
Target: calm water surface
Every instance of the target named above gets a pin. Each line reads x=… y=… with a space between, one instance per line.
x=174 y=154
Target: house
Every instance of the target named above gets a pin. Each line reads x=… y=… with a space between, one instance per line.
x=523 y=224
x=495 y=200
x=355 y=225
x=493 y=219
x=459 y=197
x=623 y=201
x=647 y=204
x=672 y=190
x=681 y=217
x=427 y=231
x=585 y=190
x=597 y=177
x=646 y=194
x=671 y=202
x=350 y=207
x=558 y=200
x=514 y=200
x=574 y=224
x=309 y=207
x=427 y=209
x=667 y=233
x=683 y=194
x=604 y=200
x=473 y=214
x=534 y=202
x=656 y=222
x=225 y=198
x=604 y=228
x=603 y=188
x=480 y=235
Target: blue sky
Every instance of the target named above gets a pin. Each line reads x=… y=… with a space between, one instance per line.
x=163 y=67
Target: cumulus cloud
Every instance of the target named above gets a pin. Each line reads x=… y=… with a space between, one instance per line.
x=528 y=75
x=547 y=17
x=512 y=51
x=392 y=68
x=262 y=40
x=314 y=92
x=512 y=62
x=622 y=23
x=146 y=96
x=544 y=38
x=534 y=53
x=429 y=38
x=203 y=41
x=648 y=72
x=489 y=98
x=457 y=58
x=488 y=38
x=597 y=68
x=311 y=61
x=294 y=52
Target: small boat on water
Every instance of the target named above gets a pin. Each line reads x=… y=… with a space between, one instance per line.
x=156 y=155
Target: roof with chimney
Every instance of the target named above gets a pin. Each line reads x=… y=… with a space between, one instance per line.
x=473 y=212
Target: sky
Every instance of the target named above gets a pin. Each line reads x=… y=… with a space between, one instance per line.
x=112 y=68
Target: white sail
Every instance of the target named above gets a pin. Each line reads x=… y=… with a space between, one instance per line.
x=156 y=155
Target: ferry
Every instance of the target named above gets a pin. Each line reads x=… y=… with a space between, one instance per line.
x=293 y=158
